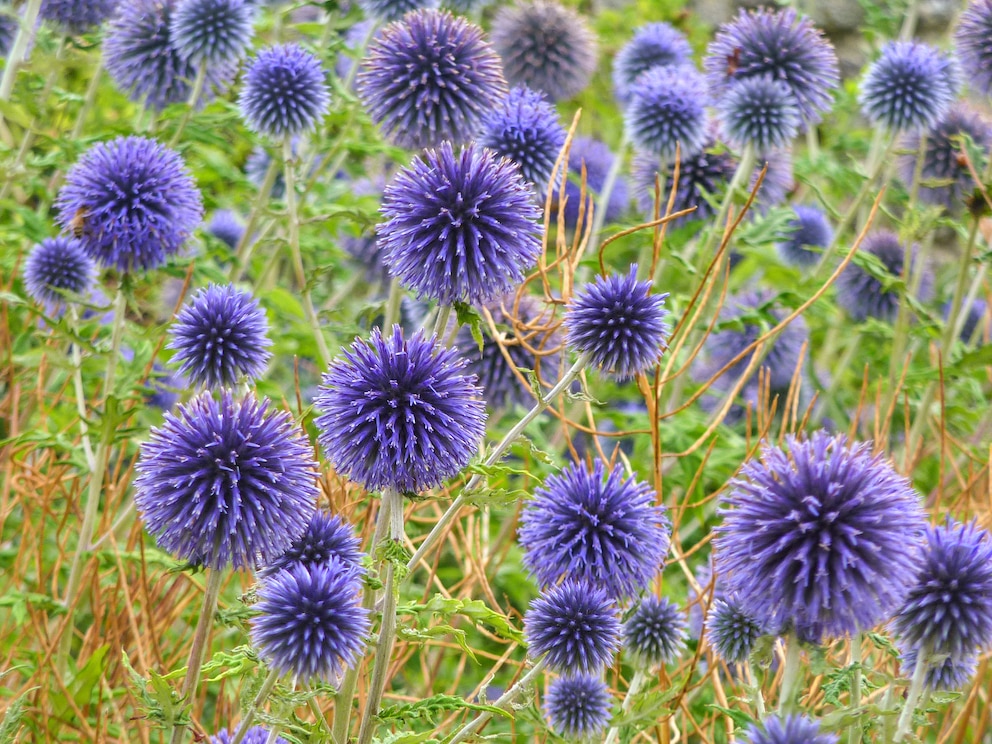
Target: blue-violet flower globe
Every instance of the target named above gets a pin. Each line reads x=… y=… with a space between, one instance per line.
x=808 y=230
x=794 y=729
x=760 y=112
x=212 y=31
x=284 y=91
x=578 y=706
x=54 y=266
x=327 y=537
x=666 y=111
x=597 y=160
x=653 y=45
x=254 y=735
x=655 y=633
x=971 y=39
x=77 y=16
x=861 y=293
x=227 y=227
x=731 y=632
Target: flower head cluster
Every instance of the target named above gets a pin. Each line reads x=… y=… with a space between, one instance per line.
x=793 y=729
x=227 y=227
x=77 y=16
x=392 y=10
x=944 y=671
x=666 y=111
x=578 y=705
x=809 y=229
x=55 y=266
x=860 y=292
x=576 y=625
x=653 y=45
x=226 y=482
x=731 y=632
x=701 y=179
x=655 y=633
x=328 y=537
x=820 y=537
x=212 y=31
x=760 y=112
x=971 y=39
x=593 y=157
x=284 y=91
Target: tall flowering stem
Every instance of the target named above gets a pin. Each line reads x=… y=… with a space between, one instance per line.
x=245 y=244
x=912 y=698
x=637 y=683
x=504 y=700
x=790 y=676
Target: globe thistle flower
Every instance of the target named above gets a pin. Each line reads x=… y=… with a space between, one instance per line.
x=54 y=266
x=310 y=622
x=226 y=482
x=760 y=112
x=794 y=729
x=780 y=45
x=655 y=633
x=809 y=229
x=619 y=324
x=142 y=61
x=949 y=607
x=821 y=537
x=545 y=46
x=909 y=87
x=430 y=78
x=131 y=201
x=257 y=165
x=254 y=735
x=731 y=632
x=328 y=537
x=399 y=414
x=665 y=110
x=284 y=92
x=576 y=625
x=459 y=227
x=524 y=127
x=779 y=178
x=8 y=31
x=227 y=227
x=971 y=40
x=860 y=293
x=220 y=336
x=161 y=390
x=653 y=45
x=578 y=706
x=212 y=31
x=606 y=533
x=77 y=16
x=597 y=160
x=973 y=321
x=705 y=174
x=950 y=673
x=388 y=11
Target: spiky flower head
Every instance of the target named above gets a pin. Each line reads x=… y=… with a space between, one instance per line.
x=226 y=482
x=430 y=77
x=578 y=706
x=821 y=537
x=254 y=735
x=328 y=537
x=396 y=413
x=257 y=165
x=949 y=607
x=212 y=31
x=863 y=295
x=731 y=632
x=77 y=16
x=596 y=159
x=227 y=227
x=284 y=92
x=388 y=11
x=607 y=532
x=702 y=177
x=618 y=323
x=794 y=729
x=135 y=201
x=459 y=226
x=760 y=112
x=971 y=39
x=944 y=671
x=779 y=178
x=653 y=45
x=220 y=337
x=655 y=633
x=666 y=110
x=310 y=622
x=777 y=44
x=54 y=266
x=576 y=625
x=808 y=230
x=525 y=128
x=545 y=46
x=909 y=87
x=142 y=61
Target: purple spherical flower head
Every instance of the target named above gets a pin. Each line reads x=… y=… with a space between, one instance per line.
x=545 y=46
x=257 y=165
x=705 y=174
x=327 y=537
x=142 y=61
x=653 y=45
x=388 y=11
x=311 y=623
x=162 y=390
x=971 y=39
x=212 y=31
x=459 y=226
x=821 y=537
x=576 y=625
x=605 y=532
x=944 y=671
x=619 y=324
x=255 y=735
x=399 y=414
x=430 y=77
x=597 y=160
x=578 y=706
x=655 y=633
x=780 y=45
x=77 y=16
x=226 y=482
x=909 y=87
x=666 y=110
x=731 y=632
x=795 y=729
x=860 y=293
x=949 y=607
x=227 y=227
x=136 y=201
x=55 y=266
x=221 y=336
x=525 y=128
x=758 y=111
x=808 y=230
x=779 y=178
x=284 y=92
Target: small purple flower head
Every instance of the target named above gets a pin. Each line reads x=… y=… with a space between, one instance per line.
x=821 y=537
x=705 y=174
x=226 y=482
x=459 y=227
x=212 y=31
x=221 y=336
x=545 y=46
x=311 y=623
x=793 y=729
x=257 y=165
x=388 y=11
x=860 y=293
x=399 y=414
x=576 y=625
x=54 y=266
x=779 y=179
x=525 y=128
x=254 y=735
x=731 y=632
x=162 y=390
x=760 y=112
x=655 y=633
x=605 y=532
x=597 y=160
x=328 y=537
x=666 y=109
x=809 y=229
x=949 y=607
x=430 y=77
x=139 y=54
x=971 y=38
x=948 y=672
x=653 y=45
x=77 y=16
x=136 y=200
x=619 y=324
x=284 y=92
x=909 y=87
x=227 y=227
x=776 y=44
x=578 y=706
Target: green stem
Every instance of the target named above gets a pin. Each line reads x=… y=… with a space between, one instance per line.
x=912 y=698
x=758 y=699
x=441 y=321
x=504 y=700
x=198 y=82
x=854 y=736
x=790 y=676
x=25 y=34
x=392 y=314
x=260 y=697
x=637 y=683
x=242 y=252
x=745 y=168
x=76 y=358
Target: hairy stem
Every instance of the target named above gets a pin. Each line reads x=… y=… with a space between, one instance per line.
x=637 y=683
x=912 y=698
x=790 y=676
x=260 y=697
